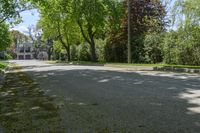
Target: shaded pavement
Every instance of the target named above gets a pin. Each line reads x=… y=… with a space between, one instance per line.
x=66 y=98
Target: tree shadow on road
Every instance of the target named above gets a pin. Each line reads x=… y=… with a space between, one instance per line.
x=108 y=101
x=136 y=101
x=25 y=108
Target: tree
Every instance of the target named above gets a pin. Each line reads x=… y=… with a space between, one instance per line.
x=182 y=46
x=5 y=38
x=18 y=37
x=186 y=12
x=153 y=47
x=10 y=9
x=145 y=16
x=57 y=24
x=90 y=16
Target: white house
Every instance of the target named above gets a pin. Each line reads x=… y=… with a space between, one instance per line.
x=24 y=51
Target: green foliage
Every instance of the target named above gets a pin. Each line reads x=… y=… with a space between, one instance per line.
x=115 y=51
x=5 y=37
x=145 y=16
x=10 y=10
x=153 y=47
x=137 y=46
x=182 y=46
x=100 y=45
x=90 y=16
x=97 y=30
x=58 y=24
x=18 y=37
x=170 y=48
x=3 y=65
x=74 y=53
x=83 y=52
x=8 y=57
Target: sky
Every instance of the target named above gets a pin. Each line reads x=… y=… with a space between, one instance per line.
x=29 y=18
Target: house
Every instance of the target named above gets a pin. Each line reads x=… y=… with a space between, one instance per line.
x=25 y=51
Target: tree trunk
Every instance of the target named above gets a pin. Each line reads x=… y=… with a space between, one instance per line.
x=92 y=44
x=68 y=53
x=92 y=50
x=64 y=44
x=49 y=54
x=90 y=40
x=50 y=51
x=68 y=49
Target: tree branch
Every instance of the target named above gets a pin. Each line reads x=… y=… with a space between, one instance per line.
x=82 y=31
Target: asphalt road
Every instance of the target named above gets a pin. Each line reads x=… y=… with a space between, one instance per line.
x=105 y=99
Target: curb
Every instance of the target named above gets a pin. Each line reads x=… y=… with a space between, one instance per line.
x=132 y=68
x=149 y=68
x=179 y=70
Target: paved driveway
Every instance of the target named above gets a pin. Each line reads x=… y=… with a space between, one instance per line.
x=104 y=99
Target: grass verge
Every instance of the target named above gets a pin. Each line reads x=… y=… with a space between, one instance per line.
x=123 y=64
x=155 y=65
x=3 y=65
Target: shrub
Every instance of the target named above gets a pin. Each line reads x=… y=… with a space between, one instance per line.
x=153 y=48
x=83 y=52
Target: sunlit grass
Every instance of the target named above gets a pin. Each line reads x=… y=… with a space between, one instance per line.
x=125 y=64
x=3 y=65
x=155 y=65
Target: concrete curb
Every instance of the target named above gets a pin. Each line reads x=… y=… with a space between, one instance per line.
x=132 y=68
x=149 y=68
x=180 y=70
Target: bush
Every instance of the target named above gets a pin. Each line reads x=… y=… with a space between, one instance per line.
x=171 y=53
x=115 y=49
x=6 y=56
x=182 y=47
x=153 y=48
x=100 y=44
x=74 y=53
x=83 y=52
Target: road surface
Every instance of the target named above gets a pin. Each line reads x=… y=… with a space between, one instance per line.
x=74 y=98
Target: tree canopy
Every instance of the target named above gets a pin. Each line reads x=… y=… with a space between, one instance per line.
x=10 y=9
x=96 y=30
x=5 y=38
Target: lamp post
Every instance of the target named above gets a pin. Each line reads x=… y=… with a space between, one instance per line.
x=129 y=32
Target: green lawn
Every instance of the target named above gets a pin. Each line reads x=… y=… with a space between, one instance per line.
x=125 y=64
x=3 y=65
x=183 y=66
x=156 y=65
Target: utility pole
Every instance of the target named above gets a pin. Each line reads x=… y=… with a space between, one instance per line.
x=129 y=32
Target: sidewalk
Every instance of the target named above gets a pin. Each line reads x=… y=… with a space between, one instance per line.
x=155 y=68
x=173 y=69
x=131 y=68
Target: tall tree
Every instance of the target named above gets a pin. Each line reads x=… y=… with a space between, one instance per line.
x=182 y=46
x=5 y=38
x=18 y=37
x=187 y=12
x=57 y=24
x=90 y=16
x=145 y=16
x=10 y=9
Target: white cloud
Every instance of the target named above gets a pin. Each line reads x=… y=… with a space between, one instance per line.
x=21 y=28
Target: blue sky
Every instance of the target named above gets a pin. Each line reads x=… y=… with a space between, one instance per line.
x=29 y=18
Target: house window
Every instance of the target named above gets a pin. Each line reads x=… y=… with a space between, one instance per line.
x=28 y=49
x=21 y=50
